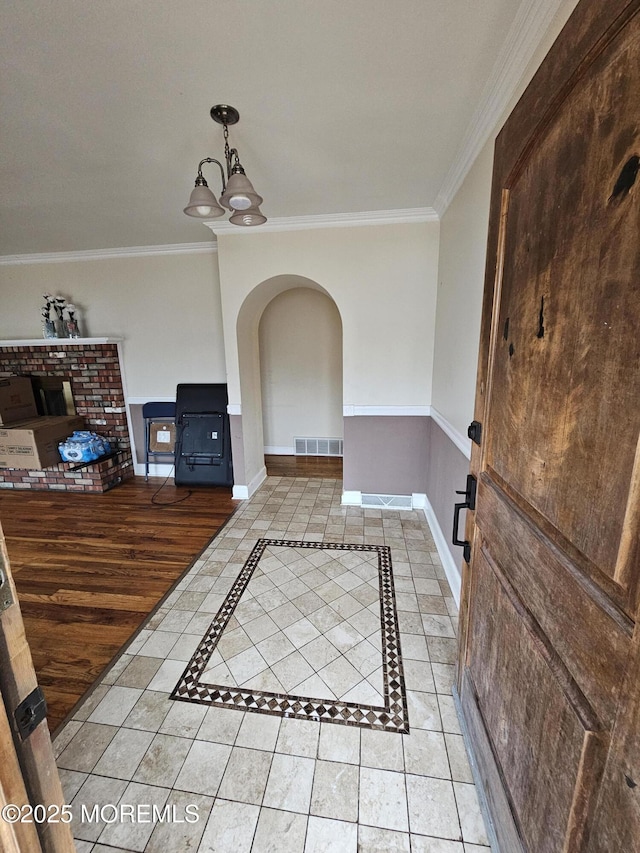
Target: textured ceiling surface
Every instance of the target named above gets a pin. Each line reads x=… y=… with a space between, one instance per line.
x=345 y=107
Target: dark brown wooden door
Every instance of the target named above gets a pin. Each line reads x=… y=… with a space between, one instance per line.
x=549 y=675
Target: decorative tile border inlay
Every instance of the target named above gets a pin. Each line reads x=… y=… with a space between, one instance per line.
x=392 y=716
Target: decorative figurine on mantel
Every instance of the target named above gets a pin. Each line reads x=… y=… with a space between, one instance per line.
x=48 y=322
x=59 y=319
x=71 y=326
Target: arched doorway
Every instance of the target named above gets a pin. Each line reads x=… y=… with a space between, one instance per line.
x=300 y=344
x=248 y=435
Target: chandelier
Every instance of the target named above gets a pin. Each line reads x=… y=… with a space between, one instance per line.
x=238 y=194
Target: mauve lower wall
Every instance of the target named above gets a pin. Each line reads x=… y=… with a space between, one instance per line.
x=404 y=456
x=386 y=455
x=447 y=470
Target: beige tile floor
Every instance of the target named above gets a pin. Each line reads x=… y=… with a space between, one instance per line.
x=306 y=615
x=260 y=782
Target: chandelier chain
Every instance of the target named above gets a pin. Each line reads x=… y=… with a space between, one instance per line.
x=227 y=152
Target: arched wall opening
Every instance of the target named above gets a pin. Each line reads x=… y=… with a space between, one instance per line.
x=383 y=280
x=248 y=429
x=300 y=348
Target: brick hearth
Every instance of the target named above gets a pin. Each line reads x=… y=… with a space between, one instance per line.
x=94 y=369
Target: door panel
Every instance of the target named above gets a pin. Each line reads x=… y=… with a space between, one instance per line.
x=589 y=636
x=549 y=603
x=567 y=312
x=511 y=649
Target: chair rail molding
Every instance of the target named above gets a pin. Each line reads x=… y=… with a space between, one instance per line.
x=461 y=441
x=351 y=411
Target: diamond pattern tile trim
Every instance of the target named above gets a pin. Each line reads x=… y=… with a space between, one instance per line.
x=392 y=716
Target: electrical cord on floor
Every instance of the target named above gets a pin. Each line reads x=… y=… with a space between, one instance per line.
x=160 y=488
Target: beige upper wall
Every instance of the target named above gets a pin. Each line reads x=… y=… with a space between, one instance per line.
x=300 y=337
x=166 y=307
x=463 y=247
x=463 y=238
x=383 y=281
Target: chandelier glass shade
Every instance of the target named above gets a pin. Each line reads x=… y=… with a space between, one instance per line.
x=203 y=203
x=251 y=216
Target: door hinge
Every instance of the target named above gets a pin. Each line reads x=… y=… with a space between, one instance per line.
x=30 y=712
x=468 y=503
x=474 y=432
x=6 y=596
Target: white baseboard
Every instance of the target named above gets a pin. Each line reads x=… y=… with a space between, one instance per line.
x=243 y=493
x=275 y=450
x=351 y=499
x=451 y=570
x=155 y=469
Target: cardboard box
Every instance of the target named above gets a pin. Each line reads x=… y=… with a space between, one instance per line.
x=33 y=443
x=17 y=402
x=162 y=437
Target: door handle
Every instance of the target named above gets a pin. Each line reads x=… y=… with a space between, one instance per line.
x=468 y=503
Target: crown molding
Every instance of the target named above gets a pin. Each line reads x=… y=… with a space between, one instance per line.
x=404 y=216
x=525 y=34
x=104 y=254
x=285 y=223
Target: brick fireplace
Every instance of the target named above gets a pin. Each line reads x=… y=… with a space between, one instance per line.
x=93 y=367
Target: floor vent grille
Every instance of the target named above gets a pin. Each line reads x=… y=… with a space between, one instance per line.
x=318 y=446
x=388 y=501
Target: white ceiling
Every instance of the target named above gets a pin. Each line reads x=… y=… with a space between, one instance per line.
x=346 y=106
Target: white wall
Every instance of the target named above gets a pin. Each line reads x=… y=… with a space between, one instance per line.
x=300 y=337
x=463 y=245
x=463 y=238
x=166 y=307
x=383 y=281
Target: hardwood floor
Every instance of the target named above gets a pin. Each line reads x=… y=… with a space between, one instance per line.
x=90 y=568
x=304 y=466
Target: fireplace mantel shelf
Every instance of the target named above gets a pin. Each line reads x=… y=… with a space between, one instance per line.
x=57 y=342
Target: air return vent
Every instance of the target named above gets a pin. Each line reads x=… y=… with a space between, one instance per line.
x=318 y=446
x=387 y=501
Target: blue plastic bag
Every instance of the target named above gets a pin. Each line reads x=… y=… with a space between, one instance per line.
x=83 y=446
